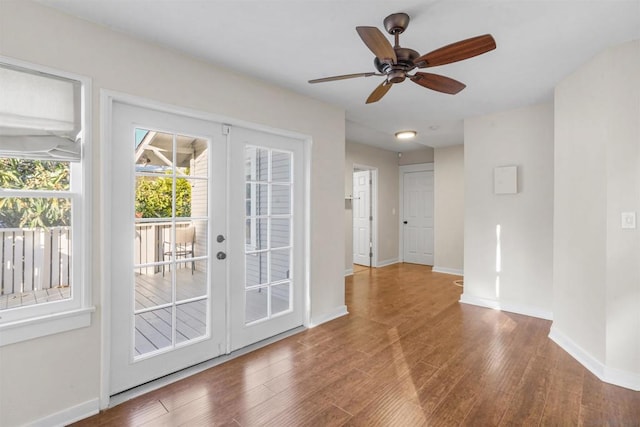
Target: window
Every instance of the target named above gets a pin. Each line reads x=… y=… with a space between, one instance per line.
x=44 y=286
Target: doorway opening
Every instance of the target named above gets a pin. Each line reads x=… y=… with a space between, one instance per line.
x=364 y=204
x=182 y=192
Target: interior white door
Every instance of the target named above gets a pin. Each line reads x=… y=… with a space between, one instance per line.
x=361 y=204
x=267 y=270
x=167 y=201
x=418 y=217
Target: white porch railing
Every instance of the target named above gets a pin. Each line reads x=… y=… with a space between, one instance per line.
x=39 y=258
x=150 y=241
x=34 y=259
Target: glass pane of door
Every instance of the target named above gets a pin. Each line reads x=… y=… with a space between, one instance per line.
x=171 y=251
x=268 y=219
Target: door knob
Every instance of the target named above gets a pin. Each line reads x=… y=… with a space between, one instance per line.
x=221 y=255
x=220 y=238
x=405 y=222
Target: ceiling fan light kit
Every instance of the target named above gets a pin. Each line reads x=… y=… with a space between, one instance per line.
x=406 y=134
x=396 y=62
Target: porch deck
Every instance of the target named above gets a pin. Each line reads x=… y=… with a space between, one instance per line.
x=153 y=328
x=21 y=299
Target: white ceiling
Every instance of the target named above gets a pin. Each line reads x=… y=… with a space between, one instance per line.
x=290 y=42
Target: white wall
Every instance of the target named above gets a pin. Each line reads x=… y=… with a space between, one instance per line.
x=387 y=164
x=414 y=157
x=522 y=138
x=449 y=209
x=597 y=177
x=47 y=375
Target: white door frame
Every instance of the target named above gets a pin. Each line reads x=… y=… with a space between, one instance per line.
x=107 y=99
x=420 y=167
x=374 y=210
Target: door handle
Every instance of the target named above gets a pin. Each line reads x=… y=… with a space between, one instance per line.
x=221 y=255
x=405 y=222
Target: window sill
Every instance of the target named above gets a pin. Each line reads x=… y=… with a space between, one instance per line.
x=37 y=327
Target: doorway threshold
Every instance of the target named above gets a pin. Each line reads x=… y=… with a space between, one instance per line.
x=142 y=389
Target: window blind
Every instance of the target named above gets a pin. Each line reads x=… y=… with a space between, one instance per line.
x=40 y=115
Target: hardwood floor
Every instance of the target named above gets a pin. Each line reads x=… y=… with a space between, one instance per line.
x=357 y=268
x=408 y=354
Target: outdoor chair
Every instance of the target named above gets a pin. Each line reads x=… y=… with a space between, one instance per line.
x=185 y=240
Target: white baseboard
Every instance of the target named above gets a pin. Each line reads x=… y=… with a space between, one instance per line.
x=387 y=262
x=607 y=374
x=622 y=378
x=526 y=310
x=447 y=270
x=69 y=415
x=481 y=302
x=506 y=306
x=334 y=314
x=348 y=272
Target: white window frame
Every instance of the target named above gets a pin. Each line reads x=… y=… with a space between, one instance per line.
x=40 y=320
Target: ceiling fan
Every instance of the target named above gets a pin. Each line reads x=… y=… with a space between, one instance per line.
x=395 y=62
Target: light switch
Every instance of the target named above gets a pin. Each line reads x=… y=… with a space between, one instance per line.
x=628 y=220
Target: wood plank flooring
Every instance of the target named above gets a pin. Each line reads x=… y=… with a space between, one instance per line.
x=408 y=354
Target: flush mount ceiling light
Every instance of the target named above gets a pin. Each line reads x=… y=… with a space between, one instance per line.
x=406 y=134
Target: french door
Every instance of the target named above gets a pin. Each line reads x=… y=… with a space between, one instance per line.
x=266 y=290
x=167 y=204
x=205 y=221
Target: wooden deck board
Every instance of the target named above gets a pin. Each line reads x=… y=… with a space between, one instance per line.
x=20 y=299
x=193 y=317
x=155 y=327
x=143 y=345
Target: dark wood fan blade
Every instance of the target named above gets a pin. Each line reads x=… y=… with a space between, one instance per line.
x=342 y=77
x=379 y=92
x=378 y=43
x=437 y=82
x=454 y=52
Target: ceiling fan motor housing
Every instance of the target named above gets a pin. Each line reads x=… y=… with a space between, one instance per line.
x=396 y=73
x=396 y=76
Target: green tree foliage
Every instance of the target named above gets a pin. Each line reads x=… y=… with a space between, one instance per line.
x=34 y=212
x=153 y=197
